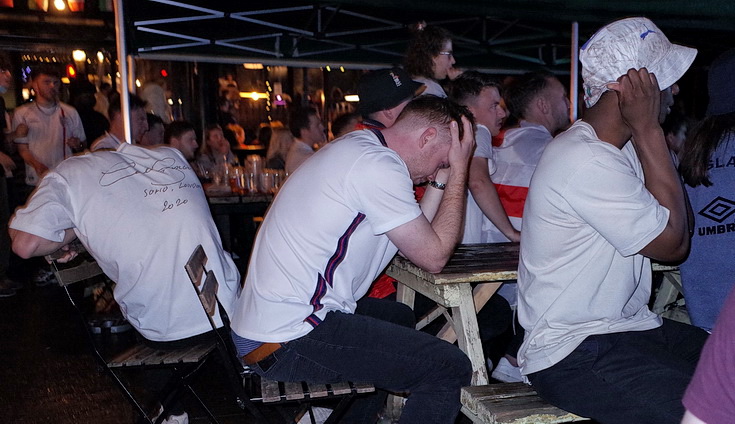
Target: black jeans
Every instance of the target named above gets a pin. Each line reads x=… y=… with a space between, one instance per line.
x=633 y=377
x=361 y=348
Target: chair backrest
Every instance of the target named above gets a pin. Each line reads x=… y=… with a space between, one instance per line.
x=207 y=291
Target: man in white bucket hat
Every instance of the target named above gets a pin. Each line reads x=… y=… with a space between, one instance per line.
x=591 y=225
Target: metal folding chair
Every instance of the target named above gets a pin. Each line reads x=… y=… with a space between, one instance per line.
x=184 y=363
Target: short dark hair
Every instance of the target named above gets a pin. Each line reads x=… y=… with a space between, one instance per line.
x=470 y=84
x=519 y=93
x=39 y=70
x=116 y=105
x=153 y=120
x=176 y=129
x=425 y=44
x=341 y=123
x=433 y=110
x=299 y=119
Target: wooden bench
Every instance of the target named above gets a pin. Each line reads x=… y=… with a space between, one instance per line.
x=511 y=403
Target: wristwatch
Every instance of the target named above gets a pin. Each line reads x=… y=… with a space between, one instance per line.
x=438 y=186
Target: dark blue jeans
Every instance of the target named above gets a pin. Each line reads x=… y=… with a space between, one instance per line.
x=361 y=348
x=633 y=377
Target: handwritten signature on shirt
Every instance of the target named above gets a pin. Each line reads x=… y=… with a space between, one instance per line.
x=166 y=167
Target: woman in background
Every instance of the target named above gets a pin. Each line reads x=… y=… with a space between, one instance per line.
x=214 y=151
x=430 y=58
x=280 y=142
x=708 y=168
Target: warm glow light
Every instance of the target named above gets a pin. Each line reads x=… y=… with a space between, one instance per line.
x=352 y=98
x=137 y=83
x=65 y=80
x=342 y=68
x=252 y=65
x=329 y=69
x=170 y=102
x=59 y=4
x=26 y=93
x=100 y=57
x=79 y=55
x=253 y=95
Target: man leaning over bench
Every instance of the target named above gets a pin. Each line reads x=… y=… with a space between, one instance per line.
x=334 y=226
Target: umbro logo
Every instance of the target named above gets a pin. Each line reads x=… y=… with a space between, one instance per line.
x=719 y=209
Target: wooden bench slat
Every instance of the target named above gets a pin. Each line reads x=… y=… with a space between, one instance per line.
x=270 y=391
x=293 y=391
x=511 y=403
x=364 y=388
x=318 y=391
x=341 y=388
x=130 y=357
x=141 y=354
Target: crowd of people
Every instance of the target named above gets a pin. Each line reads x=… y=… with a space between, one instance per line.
x=433 y=157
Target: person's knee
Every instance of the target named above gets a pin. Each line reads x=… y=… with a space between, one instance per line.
x=457 y=369
x=404 y=316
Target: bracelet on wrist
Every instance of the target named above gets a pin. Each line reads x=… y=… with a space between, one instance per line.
x=438 y=186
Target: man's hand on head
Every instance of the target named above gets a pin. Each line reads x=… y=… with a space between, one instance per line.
x=639 y=99
x=461 y=150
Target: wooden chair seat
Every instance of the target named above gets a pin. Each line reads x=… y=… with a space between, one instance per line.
x=511 y=403
x=278 y=391
x=141 y=355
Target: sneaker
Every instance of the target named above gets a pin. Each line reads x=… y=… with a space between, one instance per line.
x=177 y=419
x=44 y=277
x=7 y=292
x=506 y=372
x=172 y=419
x=320 y=415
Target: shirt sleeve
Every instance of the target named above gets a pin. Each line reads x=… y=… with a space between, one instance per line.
x=78 y=128
x=19 y=118
x=47 y=214
x=609 y=196
x=484 y=148
x=381 y=187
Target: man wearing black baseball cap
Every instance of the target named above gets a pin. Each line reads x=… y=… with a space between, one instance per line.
x=383 y=95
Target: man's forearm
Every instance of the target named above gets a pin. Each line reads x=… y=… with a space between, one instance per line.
x=27 y=156
x=27 y=245
x=449 y=217
x=664 y=184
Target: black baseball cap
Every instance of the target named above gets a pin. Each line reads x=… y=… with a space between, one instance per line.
x=384 y=89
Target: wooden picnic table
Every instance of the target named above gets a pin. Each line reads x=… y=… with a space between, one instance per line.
x=491 y=264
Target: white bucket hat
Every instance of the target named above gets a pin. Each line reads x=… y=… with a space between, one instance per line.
x=630 y=43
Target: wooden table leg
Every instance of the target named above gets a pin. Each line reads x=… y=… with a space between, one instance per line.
x=465 y=323
x=481 y=294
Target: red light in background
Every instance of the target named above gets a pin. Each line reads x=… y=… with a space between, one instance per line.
x=70 y=71
x=164 y=73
